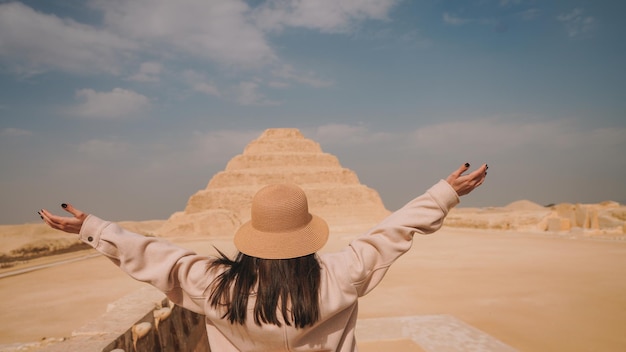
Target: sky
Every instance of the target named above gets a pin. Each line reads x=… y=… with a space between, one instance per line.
x=127 y=108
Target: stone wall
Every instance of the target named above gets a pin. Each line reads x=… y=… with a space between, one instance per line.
x=143 y=321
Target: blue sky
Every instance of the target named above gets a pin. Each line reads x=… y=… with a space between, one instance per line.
x=127 y=108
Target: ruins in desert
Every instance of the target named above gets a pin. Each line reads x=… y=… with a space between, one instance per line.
x=280 y=155
x=335 y=193
x=606 y=218
x=497 y=278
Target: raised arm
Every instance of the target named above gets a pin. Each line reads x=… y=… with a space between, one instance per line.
x=178 y=272
x=369 y=256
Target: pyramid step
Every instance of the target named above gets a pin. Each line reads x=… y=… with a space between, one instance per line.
x=271 y=160
x=285 y=174
x=282 y=145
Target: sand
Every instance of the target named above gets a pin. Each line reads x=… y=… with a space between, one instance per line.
x=534 y=292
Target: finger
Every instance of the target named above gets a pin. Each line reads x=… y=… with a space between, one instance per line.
x=482 y=176
x=461 y=170
x=478 y=173
x=480 y=182
x=70 y=209
x=45 y=215
x=50 y=219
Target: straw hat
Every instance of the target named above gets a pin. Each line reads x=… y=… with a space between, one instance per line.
x=281 y=226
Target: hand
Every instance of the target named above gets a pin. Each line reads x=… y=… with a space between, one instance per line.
x=464 y=184
x=66 y=224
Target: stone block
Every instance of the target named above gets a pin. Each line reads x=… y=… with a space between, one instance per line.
x=180 y=331
x=594 y=222
x=557 y=224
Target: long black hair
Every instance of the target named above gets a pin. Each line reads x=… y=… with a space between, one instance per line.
x=291 y=285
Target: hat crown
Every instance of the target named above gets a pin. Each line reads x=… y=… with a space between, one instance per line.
x=280 y=208
x=281 y=226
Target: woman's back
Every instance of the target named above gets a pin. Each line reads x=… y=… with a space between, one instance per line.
x=338 y=310
x=281 y=228
x=344 y=277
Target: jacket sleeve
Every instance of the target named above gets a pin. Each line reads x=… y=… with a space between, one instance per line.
x=369 y=256
x=179 y=273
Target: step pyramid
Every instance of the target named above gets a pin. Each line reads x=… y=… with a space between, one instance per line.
x=280 y=155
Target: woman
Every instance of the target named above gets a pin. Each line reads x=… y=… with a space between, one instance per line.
x=278 y=294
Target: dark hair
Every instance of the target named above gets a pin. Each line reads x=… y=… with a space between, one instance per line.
x=291 y=283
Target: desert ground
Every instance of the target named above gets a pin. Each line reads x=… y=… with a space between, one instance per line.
x=533 y=291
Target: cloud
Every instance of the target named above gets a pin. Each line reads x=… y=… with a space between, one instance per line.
x=576 y=23
x=32 y=42
x=415 y=38
x=103 y=148
x=458 y=21
x=494 y=136
x=219 y=31
x=328 y=16
x=278 y=84
x=148 y=72
x=206 y=88
x=15 y=132
x=116 y=104
x=507 y=3
x=216 y=30
x=407 y=38
x=482 y=136
x=344 y=134
x=529 y=14
x=199 y=83
x=453 y=20
x=287 y=72
x=221 y=145
x=231 y=34
x=247 y=93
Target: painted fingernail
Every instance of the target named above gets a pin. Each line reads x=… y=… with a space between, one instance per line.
x=41 y=216
x=466 y=164
x=486 y=166
x=64 y=205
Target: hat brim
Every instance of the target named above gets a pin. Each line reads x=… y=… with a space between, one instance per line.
x=282 y=245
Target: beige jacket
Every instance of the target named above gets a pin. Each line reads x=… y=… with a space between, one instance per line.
x=345 y=276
